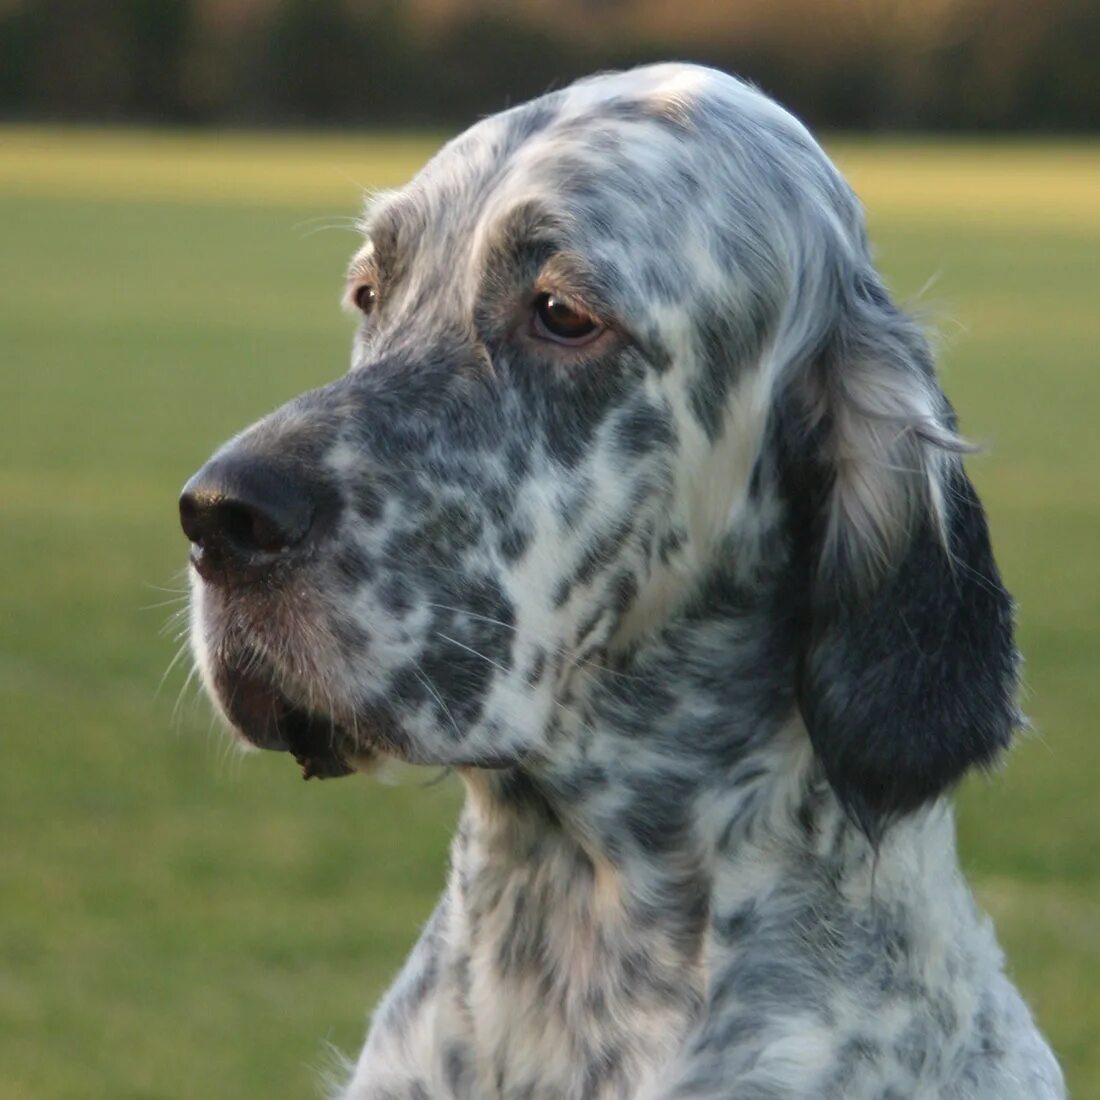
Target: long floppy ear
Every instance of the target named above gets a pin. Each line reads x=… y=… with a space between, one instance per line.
x=908 y=673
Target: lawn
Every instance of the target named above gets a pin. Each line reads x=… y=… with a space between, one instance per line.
x=177 y=920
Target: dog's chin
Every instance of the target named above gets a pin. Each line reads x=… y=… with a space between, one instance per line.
x=265 y=716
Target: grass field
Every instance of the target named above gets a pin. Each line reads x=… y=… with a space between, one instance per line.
x=178 y=922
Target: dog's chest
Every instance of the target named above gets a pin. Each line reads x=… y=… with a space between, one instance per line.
x=567 y=994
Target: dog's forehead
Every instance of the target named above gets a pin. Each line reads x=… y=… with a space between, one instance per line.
x=591 y=152
x=578 y=121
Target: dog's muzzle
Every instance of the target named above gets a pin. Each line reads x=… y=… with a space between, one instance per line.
x=251 y=521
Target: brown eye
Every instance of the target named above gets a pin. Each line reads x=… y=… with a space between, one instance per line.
x=557 y=320
x=365 y=297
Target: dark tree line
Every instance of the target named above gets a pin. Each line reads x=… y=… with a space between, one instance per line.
x=995 y=65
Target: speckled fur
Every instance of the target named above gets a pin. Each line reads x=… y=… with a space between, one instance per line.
x=705 y=616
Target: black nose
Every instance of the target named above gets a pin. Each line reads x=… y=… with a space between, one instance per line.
x=244 y=510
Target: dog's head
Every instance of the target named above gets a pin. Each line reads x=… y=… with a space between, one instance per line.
x=612 y=342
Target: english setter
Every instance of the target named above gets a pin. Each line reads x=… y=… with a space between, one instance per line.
x=641 y=509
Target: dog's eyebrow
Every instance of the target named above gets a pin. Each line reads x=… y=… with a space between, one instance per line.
x=528 y=221
x=387 y=217
x=553 y=243
x=381 y=208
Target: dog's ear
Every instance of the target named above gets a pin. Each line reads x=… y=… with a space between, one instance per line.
x=907 y=675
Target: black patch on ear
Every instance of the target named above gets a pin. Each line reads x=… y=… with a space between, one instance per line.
x=905 y=688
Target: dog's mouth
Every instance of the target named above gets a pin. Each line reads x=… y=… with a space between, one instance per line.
x=266 y=717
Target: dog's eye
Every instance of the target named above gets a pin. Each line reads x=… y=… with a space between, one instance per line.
x=557 y=320
x=365 y=298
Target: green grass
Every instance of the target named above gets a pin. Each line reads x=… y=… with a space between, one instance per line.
x=176 y=921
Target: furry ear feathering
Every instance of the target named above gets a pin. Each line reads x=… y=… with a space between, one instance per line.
x=909 y=672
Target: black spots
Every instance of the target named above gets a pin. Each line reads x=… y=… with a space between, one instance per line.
x=453 y=528
x=352 y=565
x=524 y=122
x=514 y=540
x=601 y=551
x=466 y=645
x=537 y=669
x=916 y=1045
x=458 y=1070
x=554 y=729
x=352 y=637
x=665 y=112
x=409 y=545
x=780 y=979
x=643 y=979
x=852 y=1063
x=602 y=1070
x=396 y=594
x=762 y=479
x=727 y=338
x=944 y=1015
x=413 y=496
x=580 y=783
x=562 y=591
x=497 y=501
x=516 y=792
x=595 y=1004
x=671 y=543
x=368 y=501
x=589 y=625
x=491 y=611
x=575 y=502
x=736 y=924
x=725 y=1031
x=420 y=985
x=517 y=460
x=986 y=1030
x=572 y=405
x=807 y=812
x=750 y=796
x=676 y=906
x=459 y=969
x=662 y=282
x=461 y=676
x=642 y=428
x=624 y=593
x=657 y=815
x=521 y=946
x=408 y=687
x=652 y=348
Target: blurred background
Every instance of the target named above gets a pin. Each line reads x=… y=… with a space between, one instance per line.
x=178 y=182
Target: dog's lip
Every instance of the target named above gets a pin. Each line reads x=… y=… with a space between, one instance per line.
x=270 y=720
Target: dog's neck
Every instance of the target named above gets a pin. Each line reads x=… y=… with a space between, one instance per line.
x=681 y=825
x=683 y=749
x=672 y=775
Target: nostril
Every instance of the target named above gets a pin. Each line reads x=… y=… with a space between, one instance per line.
x=191 y=518
x=248 y=526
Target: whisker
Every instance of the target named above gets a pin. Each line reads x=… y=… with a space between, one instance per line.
x=184 y=591
x=596 y=666
x=191 y=679
x=425 y=679
x=461 y=645
x=177 y=600
x=171 y=665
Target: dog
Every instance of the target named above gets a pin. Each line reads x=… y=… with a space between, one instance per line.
x=640 y=509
